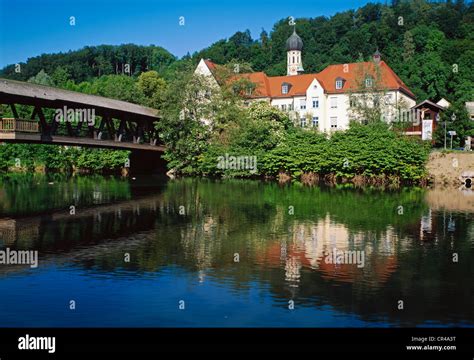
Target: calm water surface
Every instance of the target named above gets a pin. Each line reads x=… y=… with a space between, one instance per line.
x=184 y=236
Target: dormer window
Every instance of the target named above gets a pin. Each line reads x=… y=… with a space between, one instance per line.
x=338 y=84
x=368 y=82
x=285 y=88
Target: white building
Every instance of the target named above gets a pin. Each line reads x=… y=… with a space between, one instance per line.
x=470 y=109
x=322 y=100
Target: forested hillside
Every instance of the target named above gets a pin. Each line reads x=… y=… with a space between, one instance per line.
x=430 y=46
x=95 y=61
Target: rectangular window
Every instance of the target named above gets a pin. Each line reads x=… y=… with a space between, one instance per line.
x=284 y=89
x=334 y=122
x=283 y=107
x=315 y=121
x=333 y=102
x=315 y=102
x=290 y=107
x=303 y=104
x=368 y=82
x=303 y=122
x=338 y=84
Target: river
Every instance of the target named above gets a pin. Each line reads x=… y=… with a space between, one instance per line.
x=148 y=252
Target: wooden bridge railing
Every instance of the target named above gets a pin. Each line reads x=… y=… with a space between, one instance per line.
x=18 y=125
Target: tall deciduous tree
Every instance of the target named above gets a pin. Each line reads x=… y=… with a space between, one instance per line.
x=153 y=88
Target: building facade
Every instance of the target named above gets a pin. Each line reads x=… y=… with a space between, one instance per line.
x=324 y=100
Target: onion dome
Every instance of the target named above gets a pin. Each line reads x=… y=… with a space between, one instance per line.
x=294 y=42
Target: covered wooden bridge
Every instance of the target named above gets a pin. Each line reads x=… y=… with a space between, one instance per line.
x=78 y=119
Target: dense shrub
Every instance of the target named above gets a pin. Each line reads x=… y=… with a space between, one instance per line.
x=28 y=157
x=366 y=150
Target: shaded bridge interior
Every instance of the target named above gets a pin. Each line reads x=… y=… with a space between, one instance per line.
x=84 y=120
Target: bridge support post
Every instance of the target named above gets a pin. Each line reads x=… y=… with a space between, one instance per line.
x=147 y=162
x=45 y=128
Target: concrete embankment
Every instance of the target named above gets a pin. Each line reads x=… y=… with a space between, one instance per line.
x=451 y=169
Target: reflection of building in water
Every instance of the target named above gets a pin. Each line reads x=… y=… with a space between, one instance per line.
x=292 y=269
x=14 y=232
x=200 y=241
x=427 y=224
x=310 y=243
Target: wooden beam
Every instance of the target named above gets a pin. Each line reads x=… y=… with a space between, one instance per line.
x=33 y=114
x=79 y=128
x=69 y=128
x=45 y=129
x=54 y=125
x=15 y=113
x=110 y=127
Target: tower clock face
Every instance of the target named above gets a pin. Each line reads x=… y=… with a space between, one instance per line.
x=293 y=68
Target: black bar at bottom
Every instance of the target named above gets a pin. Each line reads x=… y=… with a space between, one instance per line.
x=151 y=340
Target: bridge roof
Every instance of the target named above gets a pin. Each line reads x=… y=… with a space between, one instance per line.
x=31 y=94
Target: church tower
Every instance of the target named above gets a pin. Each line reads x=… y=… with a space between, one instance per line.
x=294 y=45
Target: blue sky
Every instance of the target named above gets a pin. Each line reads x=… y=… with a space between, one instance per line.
x=31 y=27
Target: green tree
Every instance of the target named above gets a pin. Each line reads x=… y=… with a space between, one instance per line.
x=367 y=99
x=182 y=127
x=462 y=125
x=153 y=89
x=120 y=87
x=60 y=77
x=42 y=78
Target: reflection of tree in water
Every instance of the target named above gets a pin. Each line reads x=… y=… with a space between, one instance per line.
x=23 y=194
x=397 y=266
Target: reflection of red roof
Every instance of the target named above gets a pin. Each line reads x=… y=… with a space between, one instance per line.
x=270 y=86
x=271 y=255
x=381 y=270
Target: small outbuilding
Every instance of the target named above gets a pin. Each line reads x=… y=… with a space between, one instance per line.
x=427 y=117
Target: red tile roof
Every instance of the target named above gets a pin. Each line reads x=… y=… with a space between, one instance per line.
x=270 y=86
x=388 y=79
x=211 y=66
x=261 y=81
x=298 y=84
